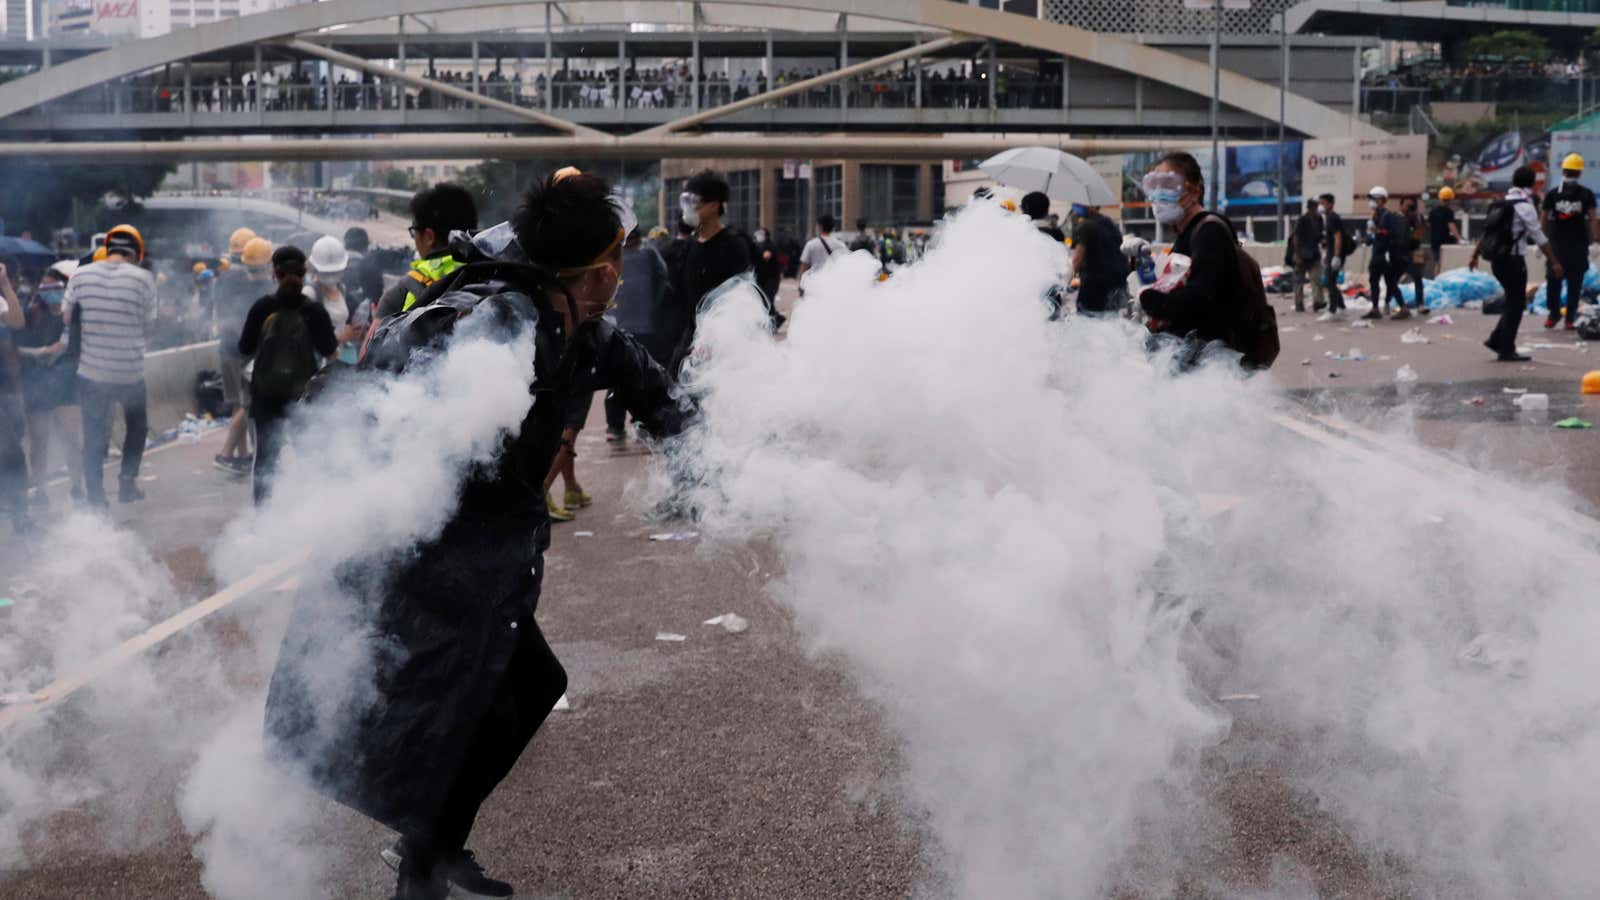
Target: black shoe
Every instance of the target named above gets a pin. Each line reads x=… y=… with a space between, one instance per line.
x=1318 y=307
x=466 y=878
x=128 y=492
x=1402 y=314
x=1373 y=314
x=1514 y=357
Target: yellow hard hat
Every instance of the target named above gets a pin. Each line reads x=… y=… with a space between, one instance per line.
x=197 y=268
x=238 y=239
x=99 y=255
x=129 y=231
x=565 y=172
x=257 y=252
x=223 y=264
x=1591 y=382
x=1009 y=204
x=1572 y=163
x=1447 y=193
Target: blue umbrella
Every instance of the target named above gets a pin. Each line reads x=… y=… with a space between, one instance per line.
x=26 y=250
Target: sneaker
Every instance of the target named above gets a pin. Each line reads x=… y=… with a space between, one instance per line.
x=463 y=875
x=1402 y=314
x=1570 y=326
x=128 y=492
x=229 y=464
x=558 y=513
x=1551 y=322
x=577 y=499
x=467 y=880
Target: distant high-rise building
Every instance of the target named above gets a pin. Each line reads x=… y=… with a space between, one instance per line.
x=137 y=18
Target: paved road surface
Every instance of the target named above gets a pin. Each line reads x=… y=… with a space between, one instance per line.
x=736 y=765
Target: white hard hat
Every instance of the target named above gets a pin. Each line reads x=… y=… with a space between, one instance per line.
x=328 y=255
x=1378 y=192
x=64 y=268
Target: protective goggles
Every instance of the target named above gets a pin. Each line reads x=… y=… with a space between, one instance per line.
x=1161 y=181
x=690 y=200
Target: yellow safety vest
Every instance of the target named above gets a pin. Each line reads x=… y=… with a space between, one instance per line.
x=425 y=272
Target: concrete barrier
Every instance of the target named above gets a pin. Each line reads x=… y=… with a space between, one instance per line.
x=169 y=378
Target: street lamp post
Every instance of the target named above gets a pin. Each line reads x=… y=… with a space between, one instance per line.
x=1216 y=88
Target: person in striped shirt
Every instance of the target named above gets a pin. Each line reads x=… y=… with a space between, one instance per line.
x=112 y=305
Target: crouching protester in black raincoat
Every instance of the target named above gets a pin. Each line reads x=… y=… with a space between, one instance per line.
x=462 y=676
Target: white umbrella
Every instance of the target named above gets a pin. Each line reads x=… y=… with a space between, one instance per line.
x=1060 y=175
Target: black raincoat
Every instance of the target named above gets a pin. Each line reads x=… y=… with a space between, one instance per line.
x=439 y=621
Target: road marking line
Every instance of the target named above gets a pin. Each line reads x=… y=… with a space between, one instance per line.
x=67 y=685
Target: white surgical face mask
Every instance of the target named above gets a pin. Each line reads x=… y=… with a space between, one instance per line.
x=1167 y=212
x=1371 y=203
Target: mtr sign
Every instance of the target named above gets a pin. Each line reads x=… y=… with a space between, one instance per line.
x=1317 y=162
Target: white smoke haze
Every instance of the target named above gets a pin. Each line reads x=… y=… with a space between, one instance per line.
x=1002 y=524
x=370 y=471
x=373 y=471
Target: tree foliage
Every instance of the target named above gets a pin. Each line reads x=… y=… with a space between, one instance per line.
x=1505 y=46
x=43 y=197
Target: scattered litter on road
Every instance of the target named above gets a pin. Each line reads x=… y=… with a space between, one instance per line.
x=1574 y=423
x=1355 y=355
x=1442 y=320
x=730 y=622
x=1305 y=362
x=671 y=637
x=1413 y=336
x=1475 y=401
x=1361 y=323
x=1318 y=337
x=1333 y=374
x=1406 y=375
x=562 y=703
x=1533 y=402
x=1287 y=328
x=149 y=477
x=675 y=536
x=1327 y=317
x=1235 y=698
x=583 y=534
x=1512 y=390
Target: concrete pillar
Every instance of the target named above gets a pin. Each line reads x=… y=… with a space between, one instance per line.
x=694 y=74
x=549 y=63
x=477 y=88
x=925 y=191
x=844 y=60
x=768 y=200
x=622 y=78
x=849 y=194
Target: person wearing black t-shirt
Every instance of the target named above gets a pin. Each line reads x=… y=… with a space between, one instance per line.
x=1209 y=306
x=1098 y=261
x=717 y=252
x=1568 y=217
x=1442 y=229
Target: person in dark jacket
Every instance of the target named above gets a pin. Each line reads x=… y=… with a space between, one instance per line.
x=1209 y=306
x=267 y=411
x=768 y=261
x=49 y=386
x=1097 y=259
x=1305 y=255
x=466 y=676
x=643 y=308
x=1391 y=254
x=717 y=252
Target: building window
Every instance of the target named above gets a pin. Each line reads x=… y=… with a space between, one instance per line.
x=792 y=196
x=830 y=191
x=888 y=194
x=744 y=200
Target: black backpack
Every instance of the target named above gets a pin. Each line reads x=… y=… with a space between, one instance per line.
x=1497 y=243
x=286 y=359
x=1256 y=334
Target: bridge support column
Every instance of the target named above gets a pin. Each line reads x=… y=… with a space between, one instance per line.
x=549 y=63
x=188 y=93
x=849 y=194
x=844 y=60
x=768 y=202
x=260 y=90
x=622 y=79
x=694 y=40
x=925 y=191
x=477 y=85
x=992 y=73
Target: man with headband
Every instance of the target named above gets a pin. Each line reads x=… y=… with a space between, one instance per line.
x=466 y=677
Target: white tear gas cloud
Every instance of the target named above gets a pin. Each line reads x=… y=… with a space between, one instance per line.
x=1002 y=524
x=372 y=471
